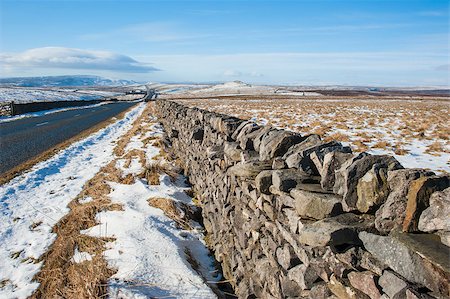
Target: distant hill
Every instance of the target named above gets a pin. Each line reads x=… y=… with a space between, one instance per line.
x=57 y=81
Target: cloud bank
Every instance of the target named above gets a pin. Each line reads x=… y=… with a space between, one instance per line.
x=71 y=58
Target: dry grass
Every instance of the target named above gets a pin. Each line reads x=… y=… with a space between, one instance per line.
x=155 y=168
x=179 y=212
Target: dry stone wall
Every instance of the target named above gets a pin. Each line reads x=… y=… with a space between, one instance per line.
x=291 y=216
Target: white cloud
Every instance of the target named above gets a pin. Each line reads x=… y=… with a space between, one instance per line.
x=70 y=58
x=235 y=73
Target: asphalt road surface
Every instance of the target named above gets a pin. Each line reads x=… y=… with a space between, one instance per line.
x=25 y=138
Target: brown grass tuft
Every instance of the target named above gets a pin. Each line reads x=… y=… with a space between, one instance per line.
x=179 y=212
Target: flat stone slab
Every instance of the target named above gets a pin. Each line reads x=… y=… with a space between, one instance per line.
x=316 y=205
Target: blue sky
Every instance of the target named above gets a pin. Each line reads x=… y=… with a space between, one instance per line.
x=402 y=43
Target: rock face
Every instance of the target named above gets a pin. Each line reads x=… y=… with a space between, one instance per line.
x=419 y=259
x=436 y=216
x=289 y=216
x=391 y=214
x=418 y=199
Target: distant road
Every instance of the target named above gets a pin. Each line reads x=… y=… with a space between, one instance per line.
x=23 y=139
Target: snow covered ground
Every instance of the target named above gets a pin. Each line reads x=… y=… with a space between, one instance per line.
x=28 y=95
x=149 y=251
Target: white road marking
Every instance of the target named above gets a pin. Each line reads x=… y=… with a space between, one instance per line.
x=41 y=124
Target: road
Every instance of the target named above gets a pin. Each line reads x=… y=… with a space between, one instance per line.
x=25 y=138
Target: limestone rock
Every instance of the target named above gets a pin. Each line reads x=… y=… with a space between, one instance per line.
x=351 y=173
x=419 y=258
x=391 y=214
x=250 y=170
x=419 y=197
x=232 y=151
x=365 y=282
x=437 y=216
x=372 y=189
x=303 y=275
x=320 y=290
x=316 y=205
x=263 y=181
x=392 y=285
x=339 y=230
x=318 y=156
x=276 y=143
x=340 y=290
x=286 y=179
x=278 y=163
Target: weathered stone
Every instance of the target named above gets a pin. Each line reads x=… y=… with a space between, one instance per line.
x=250 y=170
x=309 y=141
x=335 y=231
x=248 y=156
x=418 y=199
x=365 y=282
x=436 y=216
x=391 y=214
x=232 y=151
x=303 y=275
x=259 y=135
x=372 y=189
x=286 y=179
x=295 y=223
x=331 y=162
x=419 y=258
x=244 y=128
x=286 y=257
x=368 y=262
x=316 y=205
x=276 y=143
x=215 y=152
x=318 y=156
x=263 y=181
x=289 y=287
x=340 y=290
x=320 y=290
x=445 y=237
x=392 y=285
x=350 y=173
x=278 y=163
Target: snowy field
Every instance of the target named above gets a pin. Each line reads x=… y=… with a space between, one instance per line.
x=415 y=131
x=28 y=95
x=147 y=253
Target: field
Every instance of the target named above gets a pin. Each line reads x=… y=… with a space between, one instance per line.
x=415 y=130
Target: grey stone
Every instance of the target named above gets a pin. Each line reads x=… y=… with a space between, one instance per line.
x=391 y=214
x=419 y=258
x=286 y=257
x=436 y=216
x=263 y=181
x=286 y=179
x=365 y=282
x=339 y=230
x=249 y=156
x=351 y=173
x=338 y=288
x=331 y=162
x=250 y=170
x=316 y=205
x=278 y=163
x=372 y=189
x=232 y=151
x=198 y=134
x=276 y=143
x=318 y=156
x=303 y=275
x=392 y=285
x=320 y=290
x=367 y=261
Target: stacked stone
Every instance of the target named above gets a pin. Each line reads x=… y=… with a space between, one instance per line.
x=291 y=216
x=5 y=109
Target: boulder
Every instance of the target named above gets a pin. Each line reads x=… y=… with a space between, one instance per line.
x=350 y=173
x=250 y=170
x=392 y=285
x=436 y=216
x=335 y=231
x=365 y=282
x=421 y=259
x=286 y=179
x=391 y=214
x=316 y=205
x=263 y=181
x=276 y=143
x=419 y=199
